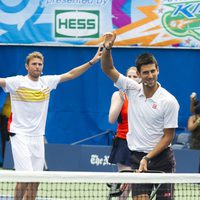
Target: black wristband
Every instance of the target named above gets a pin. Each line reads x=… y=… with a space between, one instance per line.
x=147 y=159
x=90 y=63
x=108 y=49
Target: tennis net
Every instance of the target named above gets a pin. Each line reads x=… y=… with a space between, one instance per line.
x=97 y=185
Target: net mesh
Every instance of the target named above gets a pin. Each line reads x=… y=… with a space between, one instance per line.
x=98 y=186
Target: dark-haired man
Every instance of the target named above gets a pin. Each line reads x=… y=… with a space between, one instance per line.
x=152 y=118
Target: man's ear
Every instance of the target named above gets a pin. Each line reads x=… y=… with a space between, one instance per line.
x=138 y=73
x=158 y=69
x=26 y=66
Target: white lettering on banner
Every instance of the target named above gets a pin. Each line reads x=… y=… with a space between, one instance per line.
x=96 y=160
x=75 y=2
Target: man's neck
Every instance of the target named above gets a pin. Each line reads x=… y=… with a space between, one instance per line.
x=149 y=91
x=33 y=78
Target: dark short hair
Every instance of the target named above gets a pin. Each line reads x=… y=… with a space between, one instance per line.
x=145 y=59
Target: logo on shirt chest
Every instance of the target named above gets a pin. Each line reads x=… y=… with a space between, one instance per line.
x=154 y=105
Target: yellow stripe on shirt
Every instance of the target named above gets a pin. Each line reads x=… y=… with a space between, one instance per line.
x=30 y=95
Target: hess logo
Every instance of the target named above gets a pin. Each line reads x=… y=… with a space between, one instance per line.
x=74 y=24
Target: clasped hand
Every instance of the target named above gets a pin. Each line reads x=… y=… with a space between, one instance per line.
x=109 y=39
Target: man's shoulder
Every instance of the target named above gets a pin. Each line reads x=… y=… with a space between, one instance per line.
x=17 y=78
x=49 y=77
x=167 y=96
x=51 y=80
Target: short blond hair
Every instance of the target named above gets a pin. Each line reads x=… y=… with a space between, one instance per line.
x=34 y=54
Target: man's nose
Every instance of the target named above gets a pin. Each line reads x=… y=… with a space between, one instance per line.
x=150 y=75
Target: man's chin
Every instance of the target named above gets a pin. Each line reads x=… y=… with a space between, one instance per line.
x=150 y=85
x=36 y=76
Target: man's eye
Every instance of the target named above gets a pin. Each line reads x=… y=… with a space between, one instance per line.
x=40 y=64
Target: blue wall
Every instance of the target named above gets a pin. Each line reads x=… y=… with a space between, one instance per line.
x=79 y=108
x=63 y=157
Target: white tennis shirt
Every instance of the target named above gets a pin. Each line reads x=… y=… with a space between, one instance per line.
x=147 y=117
x=29 y=103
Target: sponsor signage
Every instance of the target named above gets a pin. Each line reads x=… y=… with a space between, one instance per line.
x=76 y=23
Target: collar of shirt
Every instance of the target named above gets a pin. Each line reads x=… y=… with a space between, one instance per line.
x=155 y=95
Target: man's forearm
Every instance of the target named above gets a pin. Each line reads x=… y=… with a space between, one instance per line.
x=107 y=65
x=106 y=61
x=163 y=144
x=75 y=72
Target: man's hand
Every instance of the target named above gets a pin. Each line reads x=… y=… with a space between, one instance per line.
x=143 y=165
x=97 y=56
x=106 y=59
x=193 y=97
x=109 y=39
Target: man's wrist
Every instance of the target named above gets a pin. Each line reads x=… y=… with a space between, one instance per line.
x=108 y=49
x=90 y=63
x=147 y=159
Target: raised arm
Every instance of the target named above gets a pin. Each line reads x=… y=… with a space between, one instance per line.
x=193 y=99
x=2 y=82
x=77 y=71
x=106 y=59
x=117 y=102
